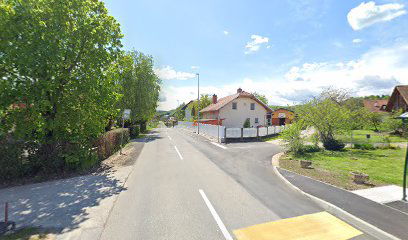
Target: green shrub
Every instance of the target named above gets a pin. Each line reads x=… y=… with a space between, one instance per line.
x=110 y=142
x=143 y=127
x=295 y=142
x=134 y=131
x=247 y=123
x=311 y=148
x=333 y=144
x=364 y=146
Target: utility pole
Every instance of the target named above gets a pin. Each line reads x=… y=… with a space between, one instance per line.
x=198 y=105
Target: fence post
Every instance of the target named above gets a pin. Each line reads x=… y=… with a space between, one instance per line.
x=257 y=133
x=267 y=132
x=242 y=134
x=225 y=135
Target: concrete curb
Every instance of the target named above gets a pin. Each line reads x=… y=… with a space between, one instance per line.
x=333 y=209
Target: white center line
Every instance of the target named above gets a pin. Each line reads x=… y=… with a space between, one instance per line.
x=219 y=145
x=178 y=152
x=215 y=216
x=169 y=137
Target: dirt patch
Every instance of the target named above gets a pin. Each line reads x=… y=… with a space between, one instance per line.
x=342 y=181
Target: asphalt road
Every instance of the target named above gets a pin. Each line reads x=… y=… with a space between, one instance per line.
x=185 y=187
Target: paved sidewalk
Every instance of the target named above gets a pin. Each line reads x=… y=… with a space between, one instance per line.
x=74 y=208
x=379 y=215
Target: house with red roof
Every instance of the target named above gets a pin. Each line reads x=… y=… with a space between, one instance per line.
x=233 y=110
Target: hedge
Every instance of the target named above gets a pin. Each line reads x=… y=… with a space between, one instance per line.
x=109 y=142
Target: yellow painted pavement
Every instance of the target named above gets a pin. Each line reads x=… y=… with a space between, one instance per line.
x=317 y=226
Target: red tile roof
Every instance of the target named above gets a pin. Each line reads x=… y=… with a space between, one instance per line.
x=375 y=105
x=225 y=100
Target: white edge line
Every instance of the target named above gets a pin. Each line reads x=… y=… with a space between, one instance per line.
x=215 y=216
x=178 y=152
x=219 y=145
x=169 y=138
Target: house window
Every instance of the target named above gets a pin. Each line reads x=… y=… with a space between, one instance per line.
x=252 y=106
x=256 y=120
x=234 y=105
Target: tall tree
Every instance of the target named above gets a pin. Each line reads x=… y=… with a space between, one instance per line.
x=53 y=67
x=261 y=97
x=140 y=85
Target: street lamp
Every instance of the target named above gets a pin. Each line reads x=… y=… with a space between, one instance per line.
x=404 y=118
x=198 y=105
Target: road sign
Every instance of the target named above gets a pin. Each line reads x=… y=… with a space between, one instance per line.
x=126 y=114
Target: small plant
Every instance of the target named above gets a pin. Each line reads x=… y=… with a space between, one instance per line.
x=311 y=148
x=247 y=123
x=315 y=139
x=364 y=146
x=333 y=145
x=293 y=137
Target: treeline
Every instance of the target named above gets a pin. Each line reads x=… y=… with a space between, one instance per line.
x=64 y=81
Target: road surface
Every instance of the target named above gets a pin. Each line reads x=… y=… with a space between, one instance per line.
x=185 y=187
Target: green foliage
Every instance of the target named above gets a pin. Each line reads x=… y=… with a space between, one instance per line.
x=329 y=115
x=292 y=135
x=205 y=101
x=247 y=123
x=140 y=86
x=179 y=114
x=364 y=146
x=261 y=97
x=333 y=144
x=391 y=123
x=374 y=120
x=134 y=131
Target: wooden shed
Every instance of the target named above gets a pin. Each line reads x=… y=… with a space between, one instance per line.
x=282 y=116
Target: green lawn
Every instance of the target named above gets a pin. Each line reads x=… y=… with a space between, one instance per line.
x=384 y=166
x=271 y=138
x=360 y=136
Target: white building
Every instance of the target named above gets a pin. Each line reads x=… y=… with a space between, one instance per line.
x=233 y=110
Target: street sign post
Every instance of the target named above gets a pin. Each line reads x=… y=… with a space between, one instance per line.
x=125 y=116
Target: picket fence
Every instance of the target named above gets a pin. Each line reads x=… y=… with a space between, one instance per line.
x=221 y=132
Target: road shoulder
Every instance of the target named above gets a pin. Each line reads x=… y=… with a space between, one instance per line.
x=373 y=218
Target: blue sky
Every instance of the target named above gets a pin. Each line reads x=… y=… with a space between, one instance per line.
x=288 y=50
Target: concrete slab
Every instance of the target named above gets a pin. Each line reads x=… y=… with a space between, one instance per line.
x=315 y=226
x=384 y=194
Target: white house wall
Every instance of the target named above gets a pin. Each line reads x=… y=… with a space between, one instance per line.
x=236 y=117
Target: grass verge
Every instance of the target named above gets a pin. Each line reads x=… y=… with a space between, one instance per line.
x=384 y=166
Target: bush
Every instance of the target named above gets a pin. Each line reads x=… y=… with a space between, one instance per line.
x=143 y=127
x=134 y=131
x=17 y=159
x=311 y=148
x=247 y=123
x=292 y=136
x=109 y=142
x=333 y=144
x=364 y=146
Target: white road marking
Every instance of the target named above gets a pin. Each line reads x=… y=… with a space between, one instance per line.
x=219 y=145
x=217 y=218
x=169 y=137
x=178 y=152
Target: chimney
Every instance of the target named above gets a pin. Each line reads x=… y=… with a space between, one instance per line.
x=214 y=99
x=239 y=90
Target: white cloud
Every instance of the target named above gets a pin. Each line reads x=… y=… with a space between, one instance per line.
x=357 y=40
x=195 y=67
x=255 y=44
x=168 y=73
x=367 y=14
x=225 y=32
x=374 y=73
